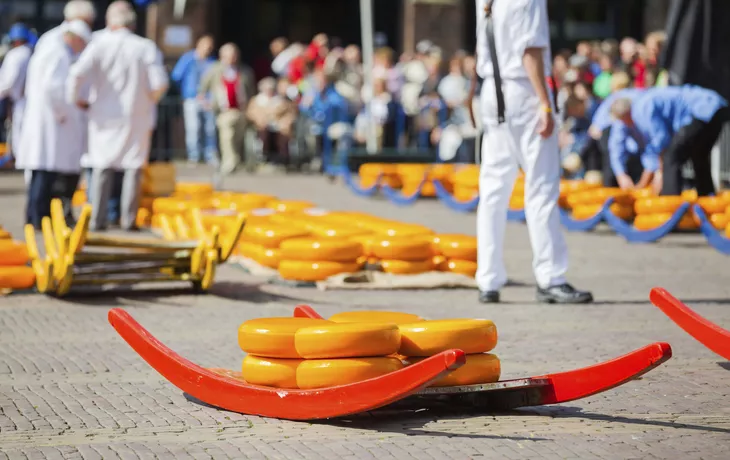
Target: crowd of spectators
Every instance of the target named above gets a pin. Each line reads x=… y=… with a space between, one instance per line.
x=315 y=91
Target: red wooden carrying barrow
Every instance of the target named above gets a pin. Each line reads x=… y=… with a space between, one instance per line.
x=707 y=333
x=227 y=389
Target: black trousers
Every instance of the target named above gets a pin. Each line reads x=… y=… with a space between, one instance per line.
x=693 y=143
x=633 y=166
x=40 y=194
x=592 y=156
x=64 y=188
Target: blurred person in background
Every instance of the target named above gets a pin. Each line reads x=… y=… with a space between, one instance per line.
x=54 y=137
x=283 y=54
x=654 y=44
x=127 y=78
x=630 y=61
x=272 y=114
x=12 y=84
x=383 y=109
x=573 y=133
x=454 y=87
x=200 y=129
x=602 y=83
x=231 y=85
x=384 y=68
x=83 y=10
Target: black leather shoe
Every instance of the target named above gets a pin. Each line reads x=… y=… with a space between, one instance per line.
x=489 y=296
x=564 y=293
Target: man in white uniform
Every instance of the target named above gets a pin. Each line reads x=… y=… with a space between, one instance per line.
x=55 y=131
x=519 y=132
x=75 y=9
x=12 y=80
x=127 y=79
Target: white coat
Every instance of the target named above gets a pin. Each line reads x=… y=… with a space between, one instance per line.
x=54 y=131
x=126 y=77
x=12 y=84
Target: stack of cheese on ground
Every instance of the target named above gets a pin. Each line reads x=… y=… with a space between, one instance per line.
x=14 y=270
x=309 y=353
x=455 y=254
x=355 y=346
x=316 y=259
x=655 y=211
x=381 y=173
x=586 y=204
x=570 y=187
x=714 y=207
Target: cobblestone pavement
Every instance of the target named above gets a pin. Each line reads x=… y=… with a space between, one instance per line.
x=71 y=388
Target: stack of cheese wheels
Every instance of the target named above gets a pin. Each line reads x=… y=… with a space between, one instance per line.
x=569 y=187
x=261 y=240
x=317 y=223
x=158 y=179
x=372 y=316
x=316 y=259
x=714 y=207
x=14 y=271
x=653 y=212
x=588 y=203
x=476 y=337
x=465 y=183
x=380 y=173
x=455 y=254
x=309 y=353
x=179 y=205
x=402 y=255
x=413 y=176
x=240 y=201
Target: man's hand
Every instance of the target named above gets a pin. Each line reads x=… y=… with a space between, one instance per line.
x=83 y=105
x=625 y=182
x=546 y=124
x=595 y=133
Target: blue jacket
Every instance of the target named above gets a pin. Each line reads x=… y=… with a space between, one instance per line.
x=328 y=107
x=658 y=115
x=602 y=116
x=188 y=72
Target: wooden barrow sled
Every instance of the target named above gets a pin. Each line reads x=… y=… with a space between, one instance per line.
x=227 y=390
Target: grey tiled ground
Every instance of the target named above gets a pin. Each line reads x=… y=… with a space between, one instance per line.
x=71 y=388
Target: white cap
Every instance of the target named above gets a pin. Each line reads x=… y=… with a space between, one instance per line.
x=78 y=28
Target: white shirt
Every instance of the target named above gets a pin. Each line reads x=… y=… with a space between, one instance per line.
x=518 y=25
x=13 y=71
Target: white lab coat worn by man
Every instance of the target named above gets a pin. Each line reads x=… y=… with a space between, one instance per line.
x=54 y=134
x=12 y=84
x=519 y=26
x=126 y=78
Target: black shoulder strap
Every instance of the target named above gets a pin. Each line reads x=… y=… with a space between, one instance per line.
x=495 y=64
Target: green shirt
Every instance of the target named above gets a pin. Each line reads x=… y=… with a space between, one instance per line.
x=602 y=85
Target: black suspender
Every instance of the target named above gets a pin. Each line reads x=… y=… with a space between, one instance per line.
x=495 y=64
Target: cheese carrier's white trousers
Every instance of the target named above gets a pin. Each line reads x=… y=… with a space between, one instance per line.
x=506 y=147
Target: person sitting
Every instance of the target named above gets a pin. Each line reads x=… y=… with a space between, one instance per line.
x=270 y=112
x=671 y=126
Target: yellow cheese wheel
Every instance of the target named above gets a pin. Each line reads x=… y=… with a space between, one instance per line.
x=397 y=229
x=467 y=177
x=462 y=247
x=290 y=205
x=727 y=231
x=5 y=235
x=375 y=169
x=568 y=187
x=222 y=218
x=177 y=205
x=407 y=267
x=13 y=253
x=658 y=205
x=264 y=256
x=462 y=267
x=271 y=236
x=428 y=338
x=402 y=249
x=193 y=189
x=273 y=337
x=144 y=217
x=517 y=203
x=587 y=211
x=18 y=277
x=599 y=196
x=270 y=372
x=299 y=270
x=347 y=340
x=320 y=249
x=712 y=204
x=365 y=316
x=479 y=368
x=324 y=373
x=719 y=221
x=79 y=198
x=642 y=193
x=652 y=221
